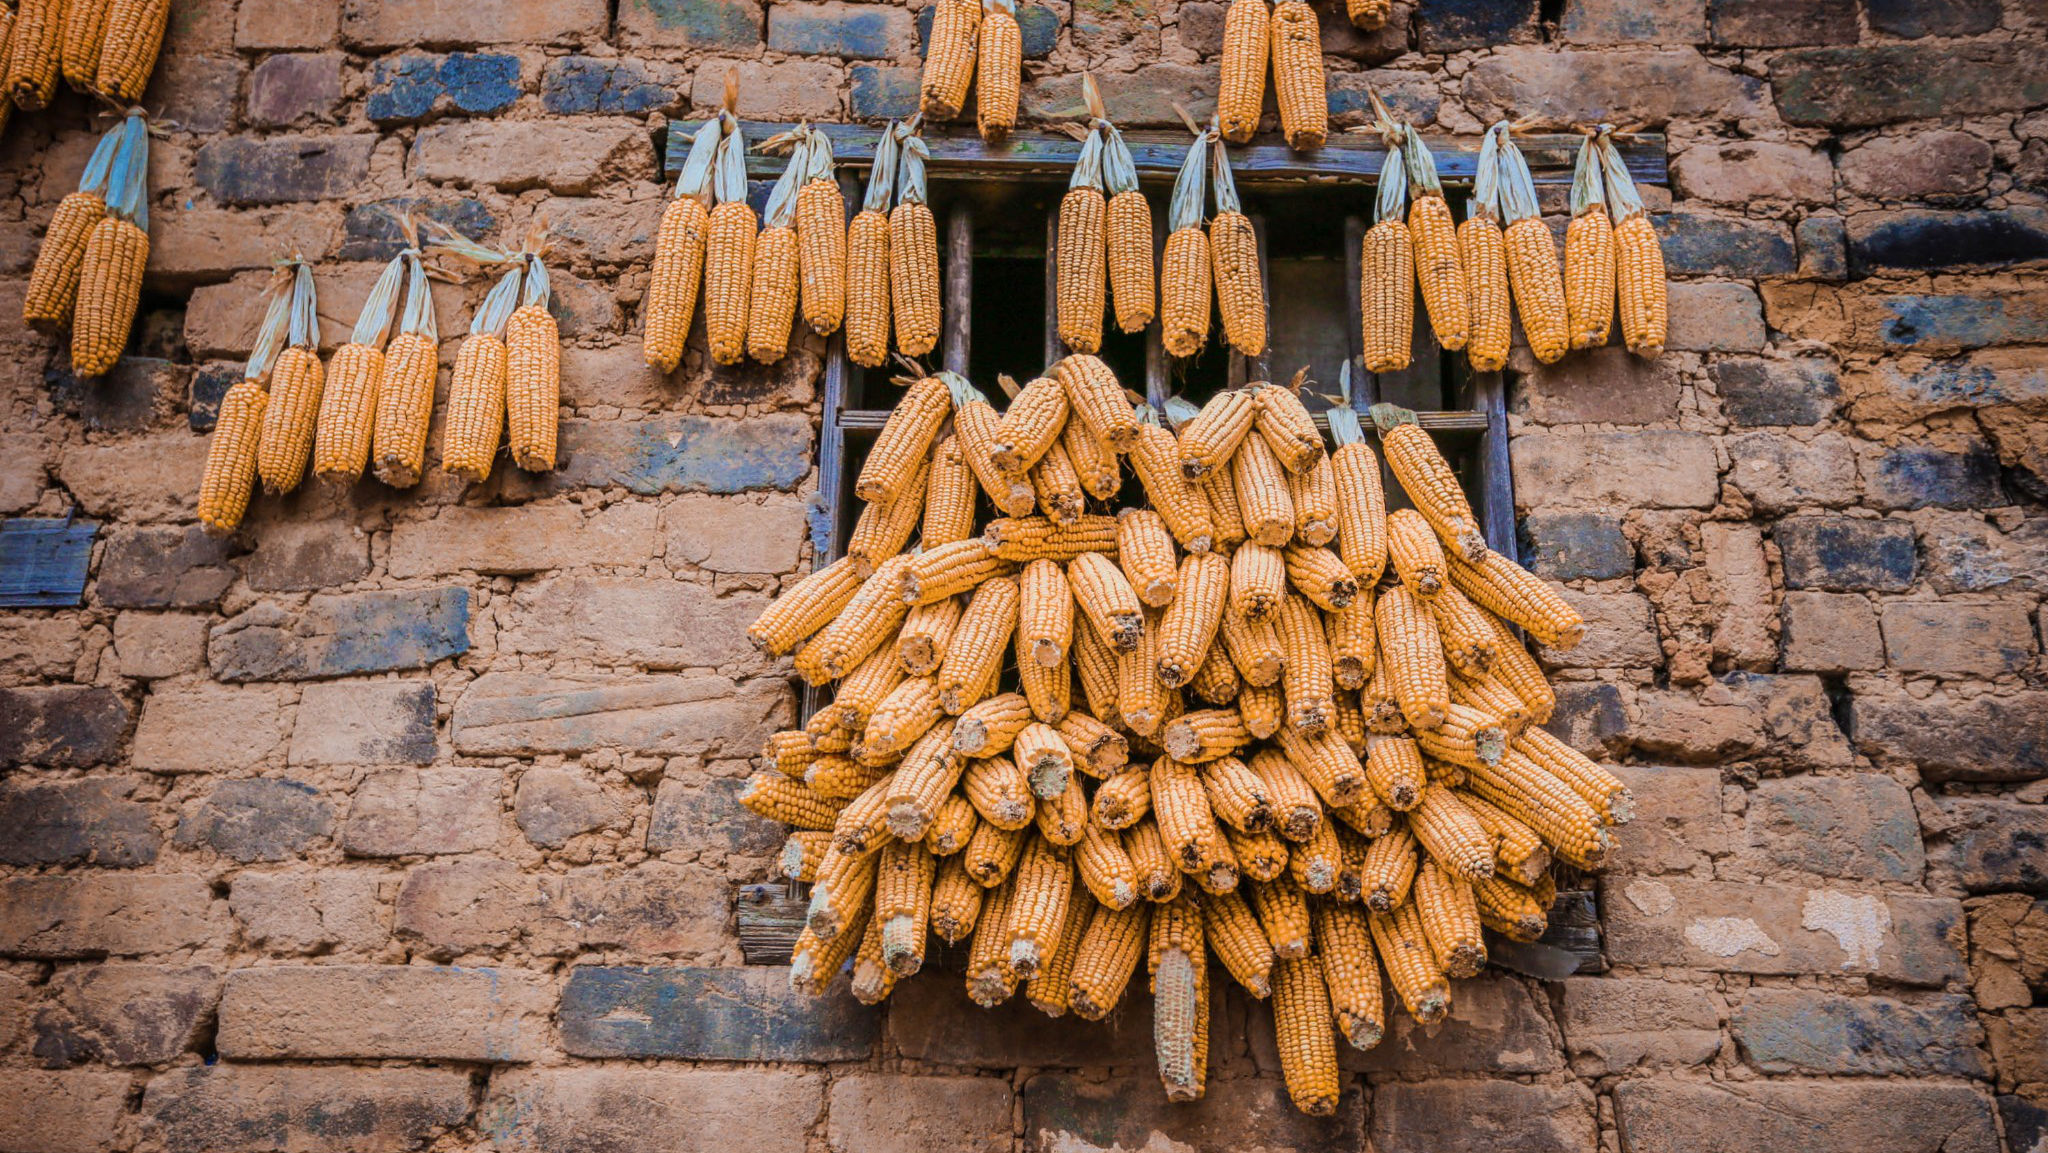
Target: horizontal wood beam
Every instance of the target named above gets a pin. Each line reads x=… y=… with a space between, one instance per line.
x=1350 y=159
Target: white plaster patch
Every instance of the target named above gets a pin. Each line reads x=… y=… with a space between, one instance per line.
x=1651 y=898
x=1857 y=921
x=1727 y=936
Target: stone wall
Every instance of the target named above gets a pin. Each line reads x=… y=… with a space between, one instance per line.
x=403 y=820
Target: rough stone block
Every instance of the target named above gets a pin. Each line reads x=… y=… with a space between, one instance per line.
x=783 y=91
x=225 y=1108
x=309 y=912
x=308 y=556
x=570 y=158
x=519 y=714
x=652 y=909
x=207 y=728
x=93 y=914
x=1740 y=172
x=1859 y=827
x=1470 y=1116
x=273 y=24
x=1781 y=23
x=627 y=1109
x=1577 y=546
x=1589 y=717
x=1965 y=553
x=1957 y=639
x=290 y=87
x=365 y=723
x=853 y=31
x=124 y=1014
x=410 y=812
x=902 y=1113
x=1931 y=164
x=1823 y=248
x=1621 y=632
x=1715 y=316
x=257 y=819
x=61 y=725
x=88 y=821
x=71 y=1112
x=1917 y=240
x=237 y=170
x=1494 y=1026
x=692 y=23
x=515 y=540
x=1603 y=386
x=1863 y=87
x=723 y=534
x=705 y=815
x=134 y=396
x=1919 y=475
x=685 y=454
x=923 y=1025
x=412 y=87
x=1982 y=738
x=37 y=647
x=1466 y=24
x=1678 y=825
x=1952 y=322
x=723 y=1014
x=1705 y=244
x=155 y=645
x=474 y=904
x=1738 y=927
x=1658 y=1116
x=1149 y=93
x=1846 y=554
x=589 y=85
x=2019 y=1045
x=1781 y=473
x=1066 y=1113
x=1911 y=19
x=1626 y=22
x=1829 y=633
x=373 y=235
x=395 y=1012
x=1647 y=468
x=1611 y=84
x=657 y=623
x=461 y=23
x=554 y=805
x=1997 y=844
x=23 y=464
x=1808 y=1031
x=163 y=568
x=881 y=92
x=2008 y=950
x=1612 y=1024
x=342 y=634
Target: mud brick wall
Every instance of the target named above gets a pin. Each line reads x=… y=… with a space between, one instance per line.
x=403 y=820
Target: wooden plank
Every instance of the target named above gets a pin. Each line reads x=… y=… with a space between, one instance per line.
x=1348 y=158
x=959 y=318
x=44 y=560
x=1260 y=367
x=771 y=915
x=1054 y=349
x=1450 y=423
x=1496 y=471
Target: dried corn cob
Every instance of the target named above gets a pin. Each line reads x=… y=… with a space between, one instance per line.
x=1527 y=792
x=1238 y=272
x=927 y=776
x=1317 y=574
x=1123 y=800
x=53 y=283
x=1532 y=258
x=1082 y=252
x=956 y=900
x=1254 y=647
x=1142 y=701
x=820 y=237
x=1000 y=65
x=1600 y=787
x=33 y=49
x=1204 y=735
x=730 y=235
x=870 y=616
x=1387 y=271
x=814 y=962
x=1155 y=457
x=1184 y=281
x=476 y=390
x=1062 y=819
x=1040 y=896
x=1361 y=502
x=802 y=852
x=533 y=374
x=949 y=58
x=1638 y=257
x=1208 y=442
x=1351 y=973
x=1233 y=932
x=863 y=825
x=989 y=728
x=1468 y=636
x=1045 y=616
x=1439 y=267
x=1354 y=643
x=867 y=260
x=1159 y=879
x=134 y=35
x=992 y=854
x=1238 y=795
x=1258 y=582
x=1189 y=828
x=882 y=530
x=231 y=456
x=1589 y=254
x=1051 y=989
x=1298 y=80
x=1382 y=708
x=1451 y=835
x=778 y=798
x=1098 y=400
x=1129 y=234
x=1418 y=559
x=1180 y=1006
x=1508 y=590
x=1105 y=867
x=1306 y=675
x=1241 y=92
x=405 y=391
x=840 y=778
x=913 y=252
x=1285 y=425
x=343 y=430
x=1189 y=626
x=805 y=607
x=295 y=384
x=1510 y=909
x=904 y=715
x=1314 y=864
x=1327 y=764
x=116 y=250
x=1394 y=767
x=679 y=254
x=1093 y=461
x=1450 y=921
x=905 y=441
x=989 y=979
x=974 y=424
x=1098 y=749
x=1515 y=669
x=949 y=570
x=1261 y=487
x=1216 y=680
x=1031 y=425
x=872 y=980
x=1263 y=707
x=1095 y=664
x=1429 y=482
x=903 y=905
x=1413 y=653
x=1282 y=909
x=1302 y=1023
x=85 y=31
x=1314 y=492
x=1111 y=947
x=1388 y=870
x=1145 y=553
x=772 y=299
x=1045 y=758
x=1028 y=538
x=1483 y=251
x=978 y=645
x=1107 y=600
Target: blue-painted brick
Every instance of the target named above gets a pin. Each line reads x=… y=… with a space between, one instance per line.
x=371 y=230
x=1808 y=1031
x=342 y=634
x=1457 y=25
x=481 y=83
x=1823 y=248
x=1702 y=244
x=412 y=87
x=685 y=454
x=728 y=1014
x=696 y=23
x=855 y=31
x=66 y=725
x=1965 y=321
x=403 y=89
x=1846 y=554
x=1868 y=85
x=1932 y=239
x=585 y=84
x=882 y=92
x=1755 y=391
x=1577 y=546
x=1919 y=475
x=209 y=385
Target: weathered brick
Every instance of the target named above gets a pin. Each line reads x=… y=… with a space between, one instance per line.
x=1149 y=93
x=1846 y=553
x=307 y=556
x=134 y=396
x=409 y=812
x=727 y=535
x=1952 y=322
x=1911 y=19
x=458 y=23
x=692 y=23
x=1715 y=316
x=624 y=1109
x=924 y=1025
x=1877 y=84
x=1705 y=244
x=1740 y=172
x=2026 y=1122
x=2008 y=950
x=1471 y=1116
x=61 y=725
x=337 y=1109
x=1740 y=597
x=309 y=912
x=1807 y=1031
x=342 y=634
x=1781 y=472
x=1412 y=96
x=1923 y=239
x=1576 y=546
x=1742 y=927
x=2019 y=1046
x=1823 y=248
x=656 y=623
x=1589 y=716
x=1605 y=386
x=1466 y=24
x=372 y=230
x=272 y=24
x=721 y=1014
x=1979 y=739
x=520 y=539
x=1612 y=1024
x=1957 y=639
x=1967 y=554
x=1067 y=1113
x=1621 y=632
x=163 y=568
x=1612 y=84
x=413 y=86
x=587 y=85
x=571 y=158
x=519 y=714
x=1829 y=633
x=1659 y=1116
x=1649 y=468
x=1626 y=22
x=553 y=805
x=473 y=904
x=209 y=384
x=1931 y=164
x=123 y=914
x=1781 y=23
x=853 y=31
x=124 y=1014
x=881 y=92
x=1909 y=389
x=23 y=463
x=695 y=816
x=155 y=645
x=364 y=723
x=207 y=728
x=144 y=479
x=1919 y=475
x=1859 y=827
x=783 y=91
x=88 y=821
x=1755 y=391
x=877 y=1112
x=238 y=170
x=652 y=909
x=257 y=819
x=1678 y=824
x=290 y=87
x=397 y=1011
x=1494 y=1026
x=1997 y=844
x=685 y=454
x=41 y=647
x=73 y=1112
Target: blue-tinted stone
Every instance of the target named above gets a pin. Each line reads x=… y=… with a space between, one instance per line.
x=164 y=567
x=411 y=87
x=586 y=84
x=1933 y=239
x=862 y=31
x=478 y=82
x=79 y=822
x=257 y=819
x=1964 y=321
x=1999 y=845
x=701 y=1014
x=1846 y=554
x=237 y=170
x=1807 y=1031
x=686 y=454
x=1866 y=86
x=209 y=385
x=1912 y=19
x=705 y=23
x=342 y=634
x=1040 y=27
x=125 y=399
x=1589 y=716
x=403 y=89
x=1823 y=248
x=1919 y=475
x=1755 y=391
x=2026 y=1122
x=1983 y=738
x=371 y=230
x=65 y=725
x=1576 y=546
x=1701 y=244
x=1458 y=25
x=883 y=92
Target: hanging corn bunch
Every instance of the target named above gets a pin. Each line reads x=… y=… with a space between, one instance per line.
x=729 y=238
x=1438 y=266
x=1184 y=292
x=679 y=255
x=821 y=237
x=1241 y=90
x=913 y=250
x=134 y=35
x=230 y=475
x=85 y=30
x=53 y=283
x=476 y=391
x=116 y=250
x=1484 y=253
x=1082 y=253
x=533 y=365
x=1638 y=257
x=1298 y=75
x=33 y=51
x=772 y=311
x=1370 y=15
x=1386 y=289
x=348 y=404
x=1234 y=258
x=405 y=393
x=999 y=66
x=1589 y=254
x=296 y=382
x=949 y=58
x=1130 y=235
x=1532 y=258
x=867 y=261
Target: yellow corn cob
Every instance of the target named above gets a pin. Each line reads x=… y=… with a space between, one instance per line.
x=1298 y=79
x=1105 y=867
x=1258 y=582
x=1589 y=271
x=1040 y=895
x=1209 y=440
x=1129 y=232
x=867 y=289
x=1450 y=833
x=1051 y=989
x=288 y=419
x=672 y=286
x=1314 y=492
x=1508 y=590
x=1532 y=795
x=1468 y=636
x=949 y=496
x=900 y=718
x=1045 y=614
x=1302 y=1027
x=1429 y=482
x=1349 y=723
x=863 y=825
x=1639 y=276
x=1483 y=253
x=85 y=29
x=1439 y=270
x=1095 y=664
x=1394 y=767
x=729 y=246
x=135 y=33
x=814 y=962
x=1189 y=828
x=1141 y=699
x=1093 y=461
x=1283 y=913
x=771 y=308
x=231 y=458
x=533 y=386
x=821 y=254
x=1327 y=764
x=1539 y=287
x=1285 y=425
x=1159 y=879
x=778 y=798
x=990 y=981
x=975 y=425
x=872 y=980
x=1254 y=647
x=905 y=441
x=956 y=900
x=903 y=905
x=1600 y=788
x=1514 y=668
x=1111 y=947
x=109 y=288
x=1184 y=292
x=805 y=607
x=1382 y=708
x=1387 y=286
x=1191 y=620
x=1489 y=697
x=1123 y=800
x=1031 y=425
x=1204 y=735
x=882 y=530
x=1354 y=643
x=1510 y=909
x=1417 y=556
x=864 y=689
x=1107 y=600
x=949 y=58
x=999 y=792
x=1450 y=921
x=802 y=852
x=1306 y=675
x=1156 y=458
x=1233 y=932
x=1058 y=486
x=1098 y=749
x=1241 y=92
x=836 y=777
x=1216 y=680
x=1180 y=1005
x=405 y=405
x=1062 y=819
x=1028 y=538
x=1082 y=260
x=342 y=429
x=978 y=645
x=952 y=827
x=476 y=408
x=1000 y=64
x=927 y=776
x=989 y=728
x=914 y=276
x=1145 y=553
x=1351 y=973
x=1260 y=856
x=1361 y=512
x=1098 y=400
x=1370 y=15
x=1314 y=863
x=992 y=854
x=1263 y=708
x=1388 y=870
x=1238 y=795
x=1240 y=291
x=869 y=618
x=53 y=283
x=948 y=570
x=1317 y=574
x=1413 y=653
x=1045 y=758
x=33 y=49
x=1261 y=489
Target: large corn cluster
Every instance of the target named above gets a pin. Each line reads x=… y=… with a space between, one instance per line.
x=1091 y=737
